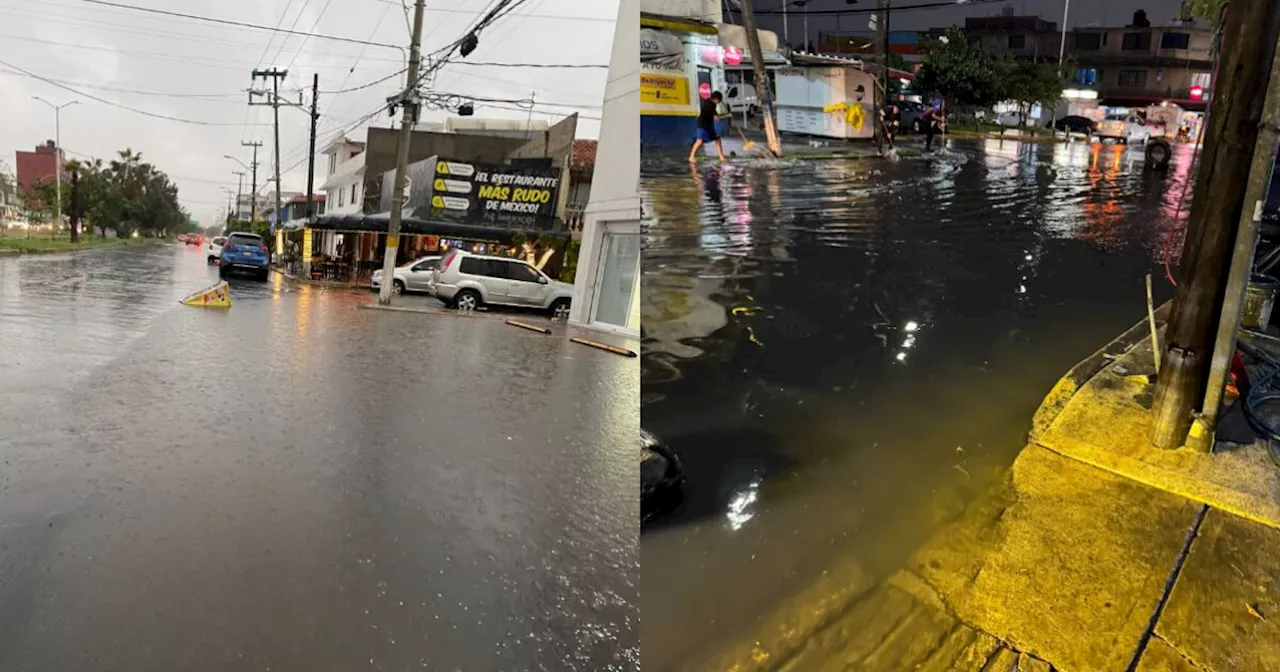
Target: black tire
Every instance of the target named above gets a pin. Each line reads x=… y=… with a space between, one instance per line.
x=397 y=287
x=559 y=309
x=264 y=275
x=468 y=299
x=222 y=272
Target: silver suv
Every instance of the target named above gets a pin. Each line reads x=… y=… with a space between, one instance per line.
x=467 y=281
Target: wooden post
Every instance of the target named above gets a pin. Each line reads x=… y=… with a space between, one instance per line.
x=1249 y=42
x=762 y=80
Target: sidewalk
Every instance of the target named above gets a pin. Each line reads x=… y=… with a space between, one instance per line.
x=1096 y=553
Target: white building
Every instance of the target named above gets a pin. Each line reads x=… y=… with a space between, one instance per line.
x=344 y=177
x=606 y=292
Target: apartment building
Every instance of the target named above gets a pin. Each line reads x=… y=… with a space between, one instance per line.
x=1137 y=64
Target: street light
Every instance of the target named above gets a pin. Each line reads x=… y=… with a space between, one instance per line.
x=57 y=141
x=228 y=156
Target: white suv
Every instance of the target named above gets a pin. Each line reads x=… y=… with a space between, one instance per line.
x=467 y=281
x=214 y=253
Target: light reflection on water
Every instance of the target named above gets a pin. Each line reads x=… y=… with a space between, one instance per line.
x=906 y=320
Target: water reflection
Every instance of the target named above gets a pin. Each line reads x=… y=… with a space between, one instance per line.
x=821 y=337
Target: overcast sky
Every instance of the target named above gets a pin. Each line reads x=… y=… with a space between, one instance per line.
x=198 y=71
x=1082 y=12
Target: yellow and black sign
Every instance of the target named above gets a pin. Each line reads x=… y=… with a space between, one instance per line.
x=491 y=191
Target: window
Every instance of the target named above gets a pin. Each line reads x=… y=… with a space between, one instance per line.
x=522 y=272
x=353 y=194
x=492 y=268
x=1136 y=42
x=341 y=194
x=1175 y=41
x=333 y=163
x=1089 y=41
x=425 y=266
x=1200 y=79
x=1133 y=78
x=1017 y=41
x=1086 y=76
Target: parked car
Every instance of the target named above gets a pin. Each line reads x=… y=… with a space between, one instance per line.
x=742 y=98
x=468 y=281
x=214 y=253
x=1124 y=128
x=911 y=115
x=414 y=276
x=245 y=252
x=1075 y=124
x=661 y=478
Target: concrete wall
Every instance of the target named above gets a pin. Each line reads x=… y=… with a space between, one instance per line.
x=703 y=10
x=556 y=143
x=615 y=193
x=381 y=148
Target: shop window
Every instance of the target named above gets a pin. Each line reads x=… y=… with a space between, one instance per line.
x=1136 y=42
x=1133 y=78
x=1089 y=41
x=619 y=280
x=1086 y=76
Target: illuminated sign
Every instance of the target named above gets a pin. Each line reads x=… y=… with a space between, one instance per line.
x=732 y=56
x=1197 y=92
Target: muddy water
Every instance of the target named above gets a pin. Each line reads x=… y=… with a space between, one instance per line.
x=845 y=352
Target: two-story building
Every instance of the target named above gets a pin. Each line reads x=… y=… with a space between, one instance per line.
x=344 y=176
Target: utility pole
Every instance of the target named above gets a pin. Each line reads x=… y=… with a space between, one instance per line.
x=882 y=91
x=253 y=184
x=762 y=80
x=275 y=76
x=57 y=140
x=408 y=100
x=1249 y=33
x=311 y=149
x=239 y=190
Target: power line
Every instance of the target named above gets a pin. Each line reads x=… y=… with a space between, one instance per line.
x=141 y=92
x=375 y=82
x=561 y=17
x=531 y=65
x=241 y=24
x=115 y=104
x=298 y=53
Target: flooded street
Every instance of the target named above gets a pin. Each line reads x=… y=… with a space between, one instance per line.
x=845 y=352
x=297 y=484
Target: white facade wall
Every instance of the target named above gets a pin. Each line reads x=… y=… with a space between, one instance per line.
x=614 y=205
x=344 y=187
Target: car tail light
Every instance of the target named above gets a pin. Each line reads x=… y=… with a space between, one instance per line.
x=265 y=250
x=444 y=265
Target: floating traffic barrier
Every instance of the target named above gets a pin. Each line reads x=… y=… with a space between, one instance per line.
x=217 y=296
x=530 y=327
x=617 y=351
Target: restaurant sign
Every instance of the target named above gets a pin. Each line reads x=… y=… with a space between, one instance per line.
x=489 y=191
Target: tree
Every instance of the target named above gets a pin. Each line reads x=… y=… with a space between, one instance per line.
x=964 y=74
x=8 y=195
x=1209 y=11
x=1028 y=83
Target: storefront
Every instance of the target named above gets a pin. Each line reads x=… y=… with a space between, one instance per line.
x=681 y=63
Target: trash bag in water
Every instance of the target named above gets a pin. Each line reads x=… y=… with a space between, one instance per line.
x=661 y=478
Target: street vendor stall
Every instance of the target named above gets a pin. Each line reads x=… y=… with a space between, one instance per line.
x=826 y=96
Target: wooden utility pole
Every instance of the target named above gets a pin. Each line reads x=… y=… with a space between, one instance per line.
x=408 y=101
x=1249 y=34
x=311 y=150
x=763 y=92
x=253 y=182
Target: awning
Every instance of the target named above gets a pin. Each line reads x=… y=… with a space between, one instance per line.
x=428 y=227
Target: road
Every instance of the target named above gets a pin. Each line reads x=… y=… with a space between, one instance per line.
x=297 y=484
x=844 y=353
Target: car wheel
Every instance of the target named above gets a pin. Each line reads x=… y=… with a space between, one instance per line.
x=222 y=272
x=560 y=309
x=467 y=299
x=264 y=275
x=397 y=287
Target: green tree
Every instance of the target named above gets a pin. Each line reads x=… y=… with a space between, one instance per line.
x=1209 y=11
x=1028 y=83
x=964 y=74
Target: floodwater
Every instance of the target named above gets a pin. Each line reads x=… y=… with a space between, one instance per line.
x=297 y=484
x=844 y=353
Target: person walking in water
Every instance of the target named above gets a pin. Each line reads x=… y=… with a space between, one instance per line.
x=935 y=120
x=707 y=126
x=891 y=117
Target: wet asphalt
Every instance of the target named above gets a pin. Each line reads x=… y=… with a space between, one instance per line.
x=298 y=484
x=845 y=353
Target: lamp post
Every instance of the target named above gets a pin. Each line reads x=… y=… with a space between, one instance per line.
x=239 y=190
x=1062 y=48
x=57 y=159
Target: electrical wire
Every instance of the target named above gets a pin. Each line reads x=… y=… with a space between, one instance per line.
x=298 y=53
x=239 y=95
x=104 y=101
x=532 y=65
x=560 y=17
x=241 y=24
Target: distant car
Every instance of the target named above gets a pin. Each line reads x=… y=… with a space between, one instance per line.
x=214 y=252
x=661 y=478
x=468 y=281
x=1124 y=128
x=192 y=239
x=742 y=98
x=1075 y=124
x=911 y=115
x=414 y=276
x=245 y=252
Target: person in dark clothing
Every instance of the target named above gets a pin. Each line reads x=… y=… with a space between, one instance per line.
x=707 y=126
x=934 y=120
x=891 y=118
